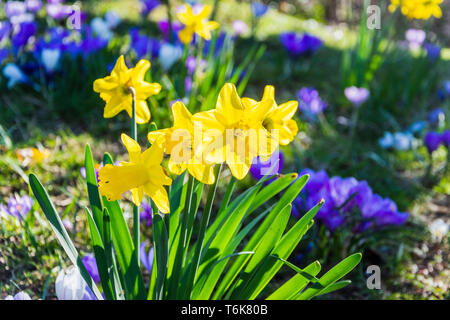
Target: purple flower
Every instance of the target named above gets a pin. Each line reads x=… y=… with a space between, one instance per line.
x=446 y=138
x=259 y=9
x=25 y=31
x=317 y=180
x=433 y=51
x=14 y=8
x=432 y=141
x=334 y=221
x=147 y=6
x=239 y=27
x=5 y=28
x=374 y=204
x=58 y=11
x=362 y=193
x=187 y=84
x=22 y=295
x=146 y=213
x=14 y=74
x=146 y=258
x=190 y=64
x=415 y=37
x=91 y=266
x=363 y=226
x=144 y=46
x=18 y=206
x=340 y=189
x=310 y=102
x=218 y=45
x=297 y=44
x=260 y=168
x=164 y=27
x=391 y=217
x=33 y=5
x=436 y=115
x=357 y=96
x=4 y=53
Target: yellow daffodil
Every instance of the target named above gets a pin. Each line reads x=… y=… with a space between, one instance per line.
x=143 y=174
x=280 y=118
x=178 y=141
x=234 y=130
x=115 y=90
x=32 y=155
x=195 y=23
x=417 y=9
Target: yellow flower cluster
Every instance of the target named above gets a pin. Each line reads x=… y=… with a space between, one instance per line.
x=195 y=23
x=235 y=132
x=417 y=9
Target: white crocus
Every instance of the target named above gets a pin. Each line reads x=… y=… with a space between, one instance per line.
x=14 y=75
x=69 y=284
x=169 y=54
x=50 y=59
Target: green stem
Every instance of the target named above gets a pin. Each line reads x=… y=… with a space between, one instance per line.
x=136 y=226
x=201 y=235
x=199 y=57
x=178 y=263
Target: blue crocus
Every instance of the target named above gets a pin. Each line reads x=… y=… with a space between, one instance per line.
x=14 y=8
x=436 y=115
x=146 y=258
x=432 y=141
x=297 y=44
x=169 y=54
x=14 y=74
x=387 y=140
x=259 y=9
x=33 y=5
x=148 y=6
x=433 y=51
x=50 y=59
x=4 y=53
x=417 y=126
x=91 y=265
x=272 y=166
x=143 y=45
x=310 y=102
x=446 y=138
x=403 y=141
x=146 y=213
x=5 y=29
x=340 y=189
x=25 y=32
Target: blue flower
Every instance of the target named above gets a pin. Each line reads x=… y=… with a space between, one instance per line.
x=146 y=258
x=387 y=141
x=297 y=44
x=259 y=9
x=169 y=54
x=25 y=32
x=432 y=141
x=91 y=265
x=146 y=213
x=260 y=168
x=14 y=74
x=148 y=6
x=310 y=102
x=433 y=51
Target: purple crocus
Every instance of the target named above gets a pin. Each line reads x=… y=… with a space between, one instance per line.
x=22 y=295
x=415 y=38
x=148 y=6
x=146 y=213
x=14 y=8
x=433 y=51
x=356 y=96
x=146 y=258
x=18 y=206
x=91 y=266
x=259 y=9
x=239 y=27
x=191 y=62
x=436 y=115
x=58 y=11
x=25 y=31
x=297 y=44
x=143 y=45
x=446 y=138
x=432 y=141
x=5 y=29
x=260 y=168
x=33 y=5
x=340 y=189
x=310 y=102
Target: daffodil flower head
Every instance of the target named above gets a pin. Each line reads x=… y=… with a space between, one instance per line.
x=234 y=130
x=417 y=9
x=195 y=23
x=116 y=90
x=179 y=141
x=142 y=174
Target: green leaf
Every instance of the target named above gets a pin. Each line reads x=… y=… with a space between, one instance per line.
x=94 y=195
x=161 y=247
x=295 y=284
x=60 y=232
x=336 y=273
x=100 y=257
x=335 y=286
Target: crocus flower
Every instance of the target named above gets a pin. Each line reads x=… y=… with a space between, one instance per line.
x=259 y=9
x=148 y=6
x=50 y=59
x=14 y=8
x=417 y=126
x=25 y=31
x=33 y=5
x=14 y=74
x=70 y=285
x=188 y=84
x=415 y=37
x=143 y=45
x=403 y=140
x=169 y=54
x=58 y=11
x=310 y=102
x=190 y=64
x=446 y=138
x=297 y=44
x=4 y=53
x=146 y=213
x=91 y=266
x=357 y=96
x=432 y=141
x=22 y=295
x=260 y=168
x=101 y=28
x=18 y=206
x=115 y=90
x=433 y=51
x=5 y=28
x=387 y=140
x=112 y=19
x=163 y=25
x=239 y=27
x=195 y=23
x=340 y=189
x=146 y=258
x=143 y=174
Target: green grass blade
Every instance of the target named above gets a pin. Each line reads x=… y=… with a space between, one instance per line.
x=92 y=188
x=161 y=247
x=61 y=234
